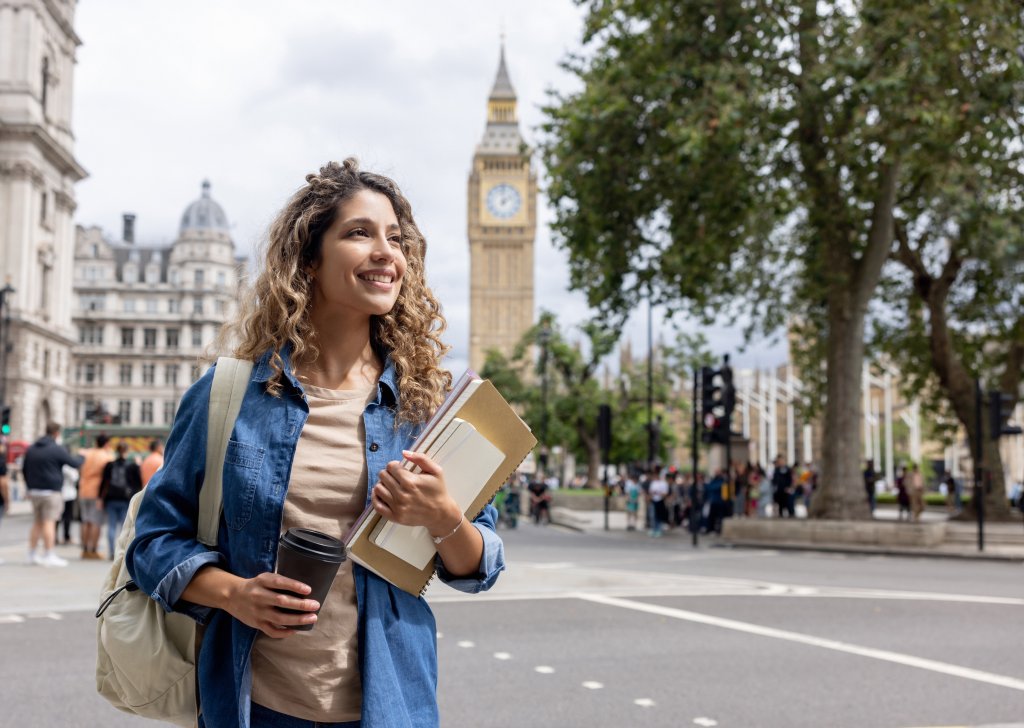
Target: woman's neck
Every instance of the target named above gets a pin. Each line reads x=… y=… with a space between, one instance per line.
x=344 y=362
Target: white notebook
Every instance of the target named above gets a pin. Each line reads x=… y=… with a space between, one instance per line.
x=469 y=460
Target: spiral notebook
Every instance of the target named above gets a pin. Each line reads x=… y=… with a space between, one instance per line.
x=490 y=442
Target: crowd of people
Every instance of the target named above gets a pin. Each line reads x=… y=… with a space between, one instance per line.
x=88 y=487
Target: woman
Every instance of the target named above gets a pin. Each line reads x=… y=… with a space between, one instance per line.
x=346 y=339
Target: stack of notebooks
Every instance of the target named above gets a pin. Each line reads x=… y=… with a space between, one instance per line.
x=478 y=440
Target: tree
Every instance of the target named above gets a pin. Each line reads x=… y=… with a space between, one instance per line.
x=750 y=156
x=568 y=414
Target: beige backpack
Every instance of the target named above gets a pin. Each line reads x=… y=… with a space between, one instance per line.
x=146 y=657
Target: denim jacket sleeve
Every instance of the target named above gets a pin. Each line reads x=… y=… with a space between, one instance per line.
x=492 y=562
x=165 y=555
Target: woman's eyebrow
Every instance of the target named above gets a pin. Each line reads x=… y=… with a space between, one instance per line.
x=369 y=223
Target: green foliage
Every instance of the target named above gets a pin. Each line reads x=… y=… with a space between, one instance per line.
x=727 y=155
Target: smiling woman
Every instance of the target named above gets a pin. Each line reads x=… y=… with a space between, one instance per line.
x=345 y=336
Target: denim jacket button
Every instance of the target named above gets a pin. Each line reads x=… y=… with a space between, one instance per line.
x=374 y=447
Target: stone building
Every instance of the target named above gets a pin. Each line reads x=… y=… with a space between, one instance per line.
x=38 y=171
x=502 y=224
x=145 y=315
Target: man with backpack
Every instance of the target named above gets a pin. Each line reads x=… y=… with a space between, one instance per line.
x=121 y=480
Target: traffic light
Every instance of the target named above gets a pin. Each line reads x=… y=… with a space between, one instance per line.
x=5 y=420
x=1000 y=409
x=718 y=400
x=604 y=427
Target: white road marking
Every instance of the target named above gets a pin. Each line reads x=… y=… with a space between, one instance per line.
x=544 y=669
x=465 y=643
x=895 y=657
x=46 y=615
x=11 y=619
x=705 y=721
x=592 y=685
x=502 y=656
x=644 y=702
x=553 y=565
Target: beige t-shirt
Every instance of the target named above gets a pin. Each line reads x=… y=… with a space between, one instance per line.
x=315 y=675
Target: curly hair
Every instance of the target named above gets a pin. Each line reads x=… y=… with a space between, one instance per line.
x=275 y=309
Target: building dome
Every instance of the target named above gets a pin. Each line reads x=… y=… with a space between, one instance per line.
x=204 y=214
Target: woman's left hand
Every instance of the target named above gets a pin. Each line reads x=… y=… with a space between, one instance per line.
x=416 y=499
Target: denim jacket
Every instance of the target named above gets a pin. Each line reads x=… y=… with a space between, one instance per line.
x=397 y=633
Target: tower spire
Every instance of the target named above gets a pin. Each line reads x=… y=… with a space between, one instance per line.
x=502 y=90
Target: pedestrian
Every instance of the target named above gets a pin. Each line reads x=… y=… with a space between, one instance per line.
x=916 y=490
x=89 y=504
x=153 y=461
x=42 y=468
x=632 y=503
x=5 y=493
x=658 y=491
x=782 y=488
x=902 y=496
x=869 y=484
x=69 y=494
x=345 y=336
x=540 y=501
x=714 y=502
x=121 y=480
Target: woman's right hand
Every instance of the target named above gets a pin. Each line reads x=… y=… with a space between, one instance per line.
x=253 y=602
x=257 y=602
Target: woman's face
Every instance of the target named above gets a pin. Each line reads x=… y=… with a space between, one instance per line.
x=361 y=264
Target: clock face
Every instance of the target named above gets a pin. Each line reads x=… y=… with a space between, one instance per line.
x=503 y=201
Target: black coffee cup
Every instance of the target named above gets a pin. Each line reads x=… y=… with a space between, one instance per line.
x=311 y=557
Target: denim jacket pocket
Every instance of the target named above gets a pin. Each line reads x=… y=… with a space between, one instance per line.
x=242 y=464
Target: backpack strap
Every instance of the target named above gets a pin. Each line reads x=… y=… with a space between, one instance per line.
x=230 y=379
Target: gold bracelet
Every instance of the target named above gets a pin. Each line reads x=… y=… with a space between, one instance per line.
x=440 y=539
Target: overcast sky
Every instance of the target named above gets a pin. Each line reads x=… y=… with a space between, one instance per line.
x=254 y=94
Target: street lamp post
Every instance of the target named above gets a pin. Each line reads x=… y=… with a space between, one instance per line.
x=651 y=437
x=544 y=335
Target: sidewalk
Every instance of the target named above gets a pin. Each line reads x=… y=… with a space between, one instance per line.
x=1003 y=541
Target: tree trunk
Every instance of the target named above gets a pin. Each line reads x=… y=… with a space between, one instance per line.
x=840 y=493
x=954 y=377
x=593 y=449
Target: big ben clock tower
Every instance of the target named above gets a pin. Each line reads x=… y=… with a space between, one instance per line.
x=502 y=225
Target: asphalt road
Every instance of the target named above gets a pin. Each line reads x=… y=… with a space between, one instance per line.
x=622 y=630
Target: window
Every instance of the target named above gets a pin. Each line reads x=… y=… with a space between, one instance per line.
x=124 y=410
x=199 y=277
x=44 y=81
x=172 y=338
x=93 y=373
x=129 y=305
x=168 y=411
x=44 y=212
x=148 y=373
x=90 y=334
x=175 y=277
x=173 y=305
x=130 y=274
x=197 y=305
x=152 y=274
x=222 y=278
x=93 y=303
x=151 y=305
x=219 y=307
x=197 y=336
x=171 y=374
x=127 y=338
x=149 y=338
x=46 y=363
x=126 y=374
x=147 y=412
x=195 y=373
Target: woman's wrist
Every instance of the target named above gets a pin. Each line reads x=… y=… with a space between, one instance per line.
x=448 y=523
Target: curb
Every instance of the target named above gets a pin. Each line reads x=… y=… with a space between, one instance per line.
x=869 y=551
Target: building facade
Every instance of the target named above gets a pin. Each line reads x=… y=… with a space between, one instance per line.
x=145 y=316
x=38 y=172
x=502 y=225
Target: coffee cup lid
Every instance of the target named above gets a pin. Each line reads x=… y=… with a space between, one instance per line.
x=316 y=544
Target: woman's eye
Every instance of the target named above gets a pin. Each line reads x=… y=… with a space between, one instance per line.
x=358 y=231
x=396 y=241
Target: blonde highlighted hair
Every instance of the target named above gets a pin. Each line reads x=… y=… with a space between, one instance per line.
x=275 y=310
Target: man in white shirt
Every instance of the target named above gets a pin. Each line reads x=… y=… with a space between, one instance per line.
x=657 y=493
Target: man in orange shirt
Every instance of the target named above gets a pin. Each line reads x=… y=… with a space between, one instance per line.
x=153 y=461
x=88 y=495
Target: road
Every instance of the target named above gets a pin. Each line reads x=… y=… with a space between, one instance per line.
x=595 y=629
